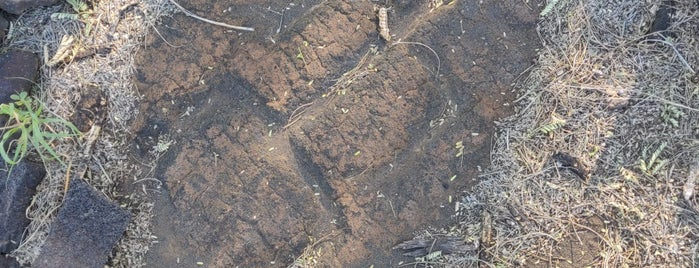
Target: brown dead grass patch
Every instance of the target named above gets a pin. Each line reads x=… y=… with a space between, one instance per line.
x=624 y=106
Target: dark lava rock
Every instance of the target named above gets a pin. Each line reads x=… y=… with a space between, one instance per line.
x=18 y=70
x=16 y=192
x=87 y=227
x=18 y=6
x=8 y=262
x=662 y=21
x=4 y=27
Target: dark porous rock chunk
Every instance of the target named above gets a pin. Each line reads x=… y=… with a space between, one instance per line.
x=19 y=6
x=16 y=192
x=87 y=227
x=8 y=262
x=18 y=70
x=4 y=27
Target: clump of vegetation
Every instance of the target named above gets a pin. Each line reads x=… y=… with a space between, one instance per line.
x=27 y=126
x=81 y=9
x=671 y=115
x=652 y=165
x=638 y=206
x=82 y=13
x=555 y=123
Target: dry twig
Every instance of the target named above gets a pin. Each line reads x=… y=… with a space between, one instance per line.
x=188 y=13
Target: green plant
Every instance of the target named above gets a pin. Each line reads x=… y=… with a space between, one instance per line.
x=652 y=165
x=300 y=56
x=81 y=11
x=26 y=120
x=671 y=115
x=548 y=8
x=555 y=123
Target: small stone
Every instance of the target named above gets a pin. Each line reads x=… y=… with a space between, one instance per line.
x=85 y=231
x=18 y=7
x=662 y=21
x=16 y=192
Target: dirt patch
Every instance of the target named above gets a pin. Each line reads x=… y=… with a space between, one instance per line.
x=313 y=126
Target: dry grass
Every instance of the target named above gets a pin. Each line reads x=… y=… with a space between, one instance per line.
x=313 y=254
x=119 y=25
x=627 y=109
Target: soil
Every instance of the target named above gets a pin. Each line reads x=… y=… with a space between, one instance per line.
x=314 y=127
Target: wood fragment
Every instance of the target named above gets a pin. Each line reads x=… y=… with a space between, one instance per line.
x=383 y=24
x=420 y=247
x=690 y=184
x=188 y=13
x=90 y=137
x=487 y=229
x=65 y=48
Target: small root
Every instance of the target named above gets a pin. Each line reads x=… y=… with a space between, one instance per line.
x=439 y=62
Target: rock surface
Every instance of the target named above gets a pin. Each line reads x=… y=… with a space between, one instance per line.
x=19 y=6
x=87 y=227
x=18 y=70
x=4 y=27
x=16 y=192
x=8 y=262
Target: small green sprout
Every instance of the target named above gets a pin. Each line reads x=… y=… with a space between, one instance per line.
x=554 y=124
x=80 y=8
x=671 y=115
x=653 y=164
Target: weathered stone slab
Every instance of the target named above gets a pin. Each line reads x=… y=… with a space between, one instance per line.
x=16 y=192
x=87 y=227
x=18 y=70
